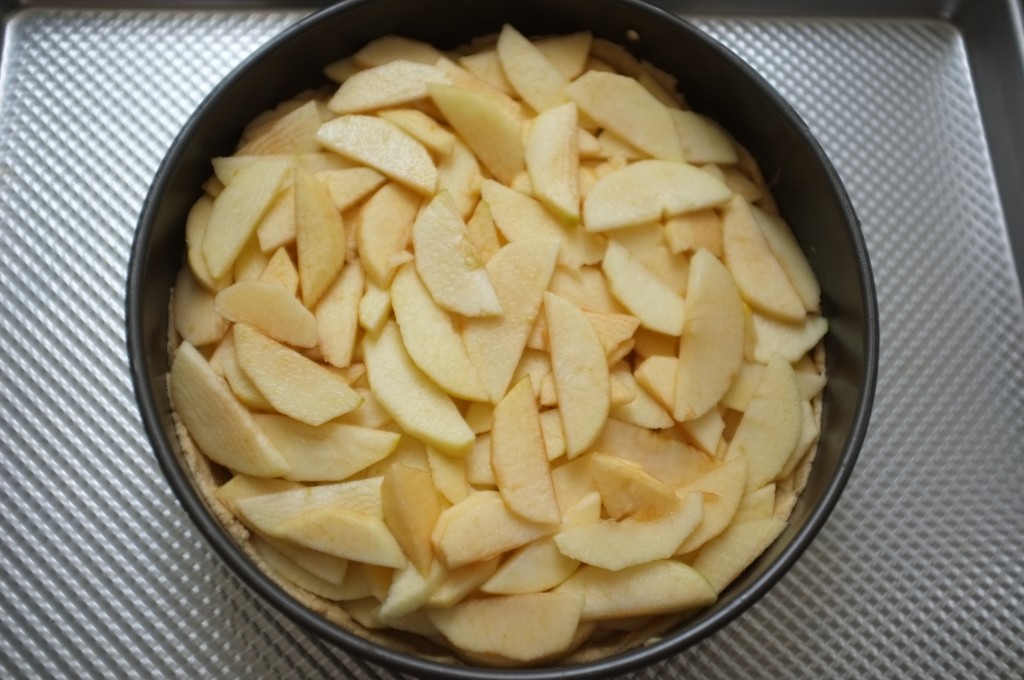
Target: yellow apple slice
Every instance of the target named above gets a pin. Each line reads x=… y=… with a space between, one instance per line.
x=519 y=272
x=480 y=527
x=237 y=211
x=447 y=261
x=424 y=128
x=533 y=77
x=519 y=217
x=660 y=587
x=758 y=504
x=518 y=627
x=711 y=346
x=647 y=243
x=340 y=531
x=706 y=431
x=283 y=565
x=670 y=460
x=648 y=191
x=808 y=437
x=479 y=472
x=388 y=85
x=644 y=294
x=431 y=339
x=411 y=507
x=458 y=173
x=657 y=375
x=627 y=490
x=791 y=340
x=580 y=371
x=416 y=403
x=461 y=582
x=277 y=227
x=271 y=308
x=221 y=427
x=587 y=288
x=350 y=186
x=195 y=230
x=616 y=545
x=383 y=146
x=409 y=591
x=337 y=316
x=519 y=459
x=723 y=488
x=482 y=233
x=552 y=159
x=486 y=66
x=791 y=257
x=695 y=230
x=195 y=316
x=644 y=411
x=392 y=48
x=319 y=237
x=568 y=53
x=383 y=228
x=702 y=140
x=724 y=558
x=448 y=475
x=761 y=279
x=225 y=364
x=291 y=133
x=294 y=385
x=281 y=270
x=465 y=80
x=613 y=146
x=270 y=508
x=492 y=134
x=250 y=263
x=771 y=425
x=624 y=106
x=328 y=453
x=374 y=308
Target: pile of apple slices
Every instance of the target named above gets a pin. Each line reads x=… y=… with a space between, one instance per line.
x=504 y=347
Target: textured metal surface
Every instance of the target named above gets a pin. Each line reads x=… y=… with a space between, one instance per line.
x=919 y=572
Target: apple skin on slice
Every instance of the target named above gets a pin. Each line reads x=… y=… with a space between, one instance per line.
x=220 y=426
x=412 y=399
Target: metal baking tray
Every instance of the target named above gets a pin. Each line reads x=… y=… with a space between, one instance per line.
x=919 y=573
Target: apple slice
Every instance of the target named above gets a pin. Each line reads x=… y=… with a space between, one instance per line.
x=587 y=288
x=350 y=186
x=493 y=135
x=337 y=316
x=281 y=270
x=771 y=425
x=275 y=509
x=431 y=339
x=291 y=133
x=552 y=159
x=221 y=427
x=519 y=459
x=724 y=558
x=293 y=384
x=758 y=504
x=411 y=507
x=270 y=308
x=225 y=363
x=533 y=77
x=279 y=562
x=702 y=140
x=424 y=128
x=465 y=80
x=568 y=53
x=416 y=403
x=374 y=308
x=706 y=431
x=383 y=146
x=237 y=211
x=461 y=582
x=762 y=281
x=791 y=257
x=479 y=472
x=195 y=316
x=383 y=229
x=330 y=452
x=644 y=294
x=448 y=475
x=670 y=460
x=392 y=48
x=458 y=173
x=808 y=437
x=627 y=490
x=711 y=345
x=388 y=85
x=518 y=627
x=722 y=488
x=195 y=230
x=447 y=261
x=791 y=340
x=644 y=411
x=482 y=232
x=486 y=66
x=648 y=191
x=480 y=527
x=693 y=231
x=276 y=229
x=660 y=587
x=409 y=591
x=624 y=106
x=519 y=272
x=580 y=371
x=319 y=237
x=340 y=531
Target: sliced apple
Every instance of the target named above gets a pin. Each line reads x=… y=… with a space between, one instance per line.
x=461 y=582
x=276 y=508
x=533 y=77
x=458 y=173
x=447 y=261
x=494 y=136
x=486 y=66
x=465 y=80
x=644 y=294
x=580 y=371
x=616 y=545
x=383 y=229
x=374 y=308
x=552 y=159
x=758 y=504
x=770 y=428
x=790 y=340
x=388 y=85
x=330 y=452
x=294 y=385
x=448 y=475
x=411 y=507
x=762 y=281
x=319 y=237
x=724 y=558
x=271 y=308
x=383 y=146
x=277 y=227
x=534 y=568
x=479 y=472
x=519 y=458
x=281 y=270
x=695 y=230
x=670 y=460
x=237 y=211
x=568 y=53
x=390 y=48
x=195 y=230
x=409 y=591
x=221 y=427
x=711 y=345
x=624 y=106
x=338 y=530
x=416 y=403
x=791 y=257
x=350 y=186
x=644 y=410
x=627 y=490
x=195 y=316
x=482 y=233
x=706 y=431
x=424 y=128
x=337 y=316
x=291 y=133
x=702 y=140
x=280 y=563
x=660 y=587
x=480 y=527
x=648 y=191
x=722 y=488
x=518 y=627
x=519 y=272
x=587 y=288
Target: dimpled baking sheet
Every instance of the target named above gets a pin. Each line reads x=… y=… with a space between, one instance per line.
x=919 y=573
